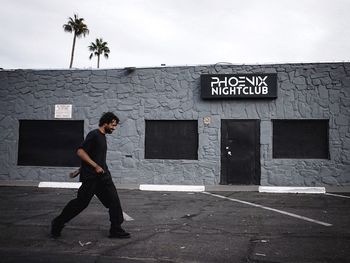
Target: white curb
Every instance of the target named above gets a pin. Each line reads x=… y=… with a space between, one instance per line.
x=292 y=189
x=172 y=188
x=73 y=185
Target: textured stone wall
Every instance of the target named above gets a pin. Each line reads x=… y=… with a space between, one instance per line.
x=305 y=91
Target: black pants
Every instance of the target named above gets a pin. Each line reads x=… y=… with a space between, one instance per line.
x=103 y=187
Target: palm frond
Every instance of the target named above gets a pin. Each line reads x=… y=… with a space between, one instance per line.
x=67 y=28
x=77 y=26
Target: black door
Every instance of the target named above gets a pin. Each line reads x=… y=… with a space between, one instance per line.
x=240 y=152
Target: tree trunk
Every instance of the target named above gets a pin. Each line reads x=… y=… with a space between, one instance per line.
x=98 y=61
x=72 y=55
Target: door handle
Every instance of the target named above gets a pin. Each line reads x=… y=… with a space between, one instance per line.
x=229 y=153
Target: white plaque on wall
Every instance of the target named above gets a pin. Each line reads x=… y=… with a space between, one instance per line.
x=63 y=111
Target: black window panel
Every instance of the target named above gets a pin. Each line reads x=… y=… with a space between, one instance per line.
x=167 y=139
x=49 y=142
x=300 y=139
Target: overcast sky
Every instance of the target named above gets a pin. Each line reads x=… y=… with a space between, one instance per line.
x=146 y=33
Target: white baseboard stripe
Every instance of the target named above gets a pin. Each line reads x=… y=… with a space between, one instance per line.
x=73 y=185
x=292 y=189
x=172 y=188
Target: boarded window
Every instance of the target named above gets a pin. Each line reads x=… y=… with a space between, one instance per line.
x=167 y=139
x=300 y=139
x=49 y=142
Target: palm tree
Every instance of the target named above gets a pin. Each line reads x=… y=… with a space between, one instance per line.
x=98 y=48
x=79 y=28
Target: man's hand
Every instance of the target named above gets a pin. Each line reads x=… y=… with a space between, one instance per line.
x=99 y=170
x=86 y=158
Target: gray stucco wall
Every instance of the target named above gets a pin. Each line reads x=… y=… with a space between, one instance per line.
x=305 y=91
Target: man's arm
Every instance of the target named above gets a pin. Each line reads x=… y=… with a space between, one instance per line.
x=86 y=158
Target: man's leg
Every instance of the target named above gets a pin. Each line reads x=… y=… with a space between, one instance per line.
x=107 y=193
x=74 y=207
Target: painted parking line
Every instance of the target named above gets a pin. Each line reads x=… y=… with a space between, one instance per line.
x=343 y=196
x=271 y=209
x=127 y=217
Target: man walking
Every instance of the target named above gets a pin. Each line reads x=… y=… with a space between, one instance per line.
x=96 y=180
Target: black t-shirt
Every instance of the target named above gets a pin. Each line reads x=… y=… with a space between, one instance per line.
x=95 y=145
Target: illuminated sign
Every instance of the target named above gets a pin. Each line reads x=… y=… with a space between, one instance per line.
x=216 y=86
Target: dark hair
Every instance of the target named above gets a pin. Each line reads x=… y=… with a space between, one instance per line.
x=108 y=117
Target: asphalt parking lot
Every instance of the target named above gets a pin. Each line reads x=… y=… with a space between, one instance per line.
x=178 y=227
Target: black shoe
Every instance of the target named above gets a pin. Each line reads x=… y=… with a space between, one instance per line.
x=56 y=229
x=118 y=233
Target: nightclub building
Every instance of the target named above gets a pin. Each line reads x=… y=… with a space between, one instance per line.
x=223 y=124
